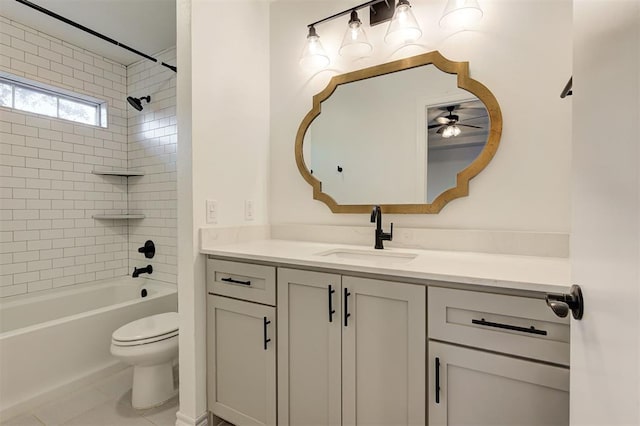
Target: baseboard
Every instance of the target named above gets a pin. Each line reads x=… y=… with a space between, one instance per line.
x=27 y=405
x=185 y=420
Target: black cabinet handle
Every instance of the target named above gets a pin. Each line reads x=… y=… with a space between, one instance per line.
x=266 y=322
x=531 y=330
x=331 y=310
x=346 y=306
x=231 y=280
x=437 y=380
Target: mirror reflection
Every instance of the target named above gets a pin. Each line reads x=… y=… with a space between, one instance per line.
x=399 y=135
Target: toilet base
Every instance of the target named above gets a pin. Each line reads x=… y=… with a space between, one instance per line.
x=153 y=385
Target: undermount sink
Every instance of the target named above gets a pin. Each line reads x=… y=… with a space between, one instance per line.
x=375 y=257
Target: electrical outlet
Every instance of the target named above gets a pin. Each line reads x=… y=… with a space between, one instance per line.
x=212 y=211
x=248 y=210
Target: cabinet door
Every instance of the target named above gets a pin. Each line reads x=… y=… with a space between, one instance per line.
x=309 y=388
x=384 y=353
x=485 y=389
x=241 y=361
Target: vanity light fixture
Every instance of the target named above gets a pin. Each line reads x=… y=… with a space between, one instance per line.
x=403 y=28
x=313 y=54
x=355 y=43
x=458 y=14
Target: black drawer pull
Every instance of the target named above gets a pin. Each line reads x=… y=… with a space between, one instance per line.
x=266 y=322
x=531 y=330
x=231 y=280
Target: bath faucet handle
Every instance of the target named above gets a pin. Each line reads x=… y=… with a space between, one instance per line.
x=149 y=249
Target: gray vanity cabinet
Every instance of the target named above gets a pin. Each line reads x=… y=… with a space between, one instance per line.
x=480 y=388
x=241 y=342
x=352 y=350
x=496 y=360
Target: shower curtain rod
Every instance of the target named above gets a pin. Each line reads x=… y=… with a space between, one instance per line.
x=92 y=32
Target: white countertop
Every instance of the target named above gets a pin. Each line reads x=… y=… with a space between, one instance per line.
x=529 y=273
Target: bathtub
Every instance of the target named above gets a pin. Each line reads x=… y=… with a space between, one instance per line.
x=55 y=340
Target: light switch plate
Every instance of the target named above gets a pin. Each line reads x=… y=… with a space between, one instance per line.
x=248 y=210
x=212 y=211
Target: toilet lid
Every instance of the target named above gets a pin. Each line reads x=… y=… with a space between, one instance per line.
x=148 y=327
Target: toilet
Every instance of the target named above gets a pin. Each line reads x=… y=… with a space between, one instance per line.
x=150 y=344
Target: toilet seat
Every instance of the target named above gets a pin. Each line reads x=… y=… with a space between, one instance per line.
x=147 y=330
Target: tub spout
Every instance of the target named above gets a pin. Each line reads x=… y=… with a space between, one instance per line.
x=137 y=271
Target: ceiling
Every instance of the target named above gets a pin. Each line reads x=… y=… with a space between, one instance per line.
x=148 y=26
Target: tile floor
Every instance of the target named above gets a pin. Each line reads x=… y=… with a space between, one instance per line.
x=104 y=403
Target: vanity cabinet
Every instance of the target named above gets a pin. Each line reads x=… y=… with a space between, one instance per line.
x=241 y=342
x=496 y=360
x=352 y=350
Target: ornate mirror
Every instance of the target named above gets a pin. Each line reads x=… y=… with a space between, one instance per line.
x=408 y=135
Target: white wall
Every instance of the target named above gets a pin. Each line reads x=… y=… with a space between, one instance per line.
x=521 y=51
x=152 y=141
x=605 y=228
x=223 y=153
x=48 y=193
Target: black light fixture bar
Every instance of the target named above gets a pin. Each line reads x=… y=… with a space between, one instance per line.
x=360 y=6
x=92 y=32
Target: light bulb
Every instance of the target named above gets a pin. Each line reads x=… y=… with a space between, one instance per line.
x=313 y=55
x=403 y=27
x=451 y=131
x=460 y=14
x=355 y=43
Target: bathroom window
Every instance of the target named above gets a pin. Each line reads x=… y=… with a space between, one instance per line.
x=30 y=96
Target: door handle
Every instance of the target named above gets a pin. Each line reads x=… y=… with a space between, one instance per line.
x=437 y=380
x=331 y=310
x=346 y=307
x=266 y=322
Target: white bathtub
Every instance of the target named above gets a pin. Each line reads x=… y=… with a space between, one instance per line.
x=55 y=339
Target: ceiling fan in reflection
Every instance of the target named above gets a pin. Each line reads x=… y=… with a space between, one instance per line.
x=449 y=125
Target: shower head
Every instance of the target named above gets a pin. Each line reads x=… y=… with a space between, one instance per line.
x=137 y=102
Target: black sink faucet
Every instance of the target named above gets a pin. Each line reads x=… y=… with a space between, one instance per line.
x=376 y=216
x=146 y=270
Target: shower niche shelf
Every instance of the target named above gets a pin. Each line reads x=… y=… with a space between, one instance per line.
x=118 y=172
x=123 y=216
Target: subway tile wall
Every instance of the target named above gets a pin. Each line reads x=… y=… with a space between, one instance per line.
x=152 y=137
x=48 y=194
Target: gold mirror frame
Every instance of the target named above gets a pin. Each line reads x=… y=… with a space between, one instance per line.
x=461 y=69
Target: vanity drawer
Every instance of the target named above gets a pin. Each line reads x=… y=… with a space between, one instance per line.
x=246 y=281
x=514 y=325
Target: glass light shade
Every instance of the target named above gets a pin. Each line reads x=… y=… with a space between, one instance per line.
x=458 y=14
x=403 y=27
x=451 y=131
x=355 y=43
x=313 y=56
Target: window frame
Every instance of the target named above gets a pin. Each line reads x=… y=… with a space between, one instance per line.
x=59 y=93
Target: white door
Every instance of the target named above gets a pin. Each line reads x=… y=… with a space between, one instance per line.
x=309 y=357
x=241 y=361
x=605 y=236
x=383 y=353
x=473 y=387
